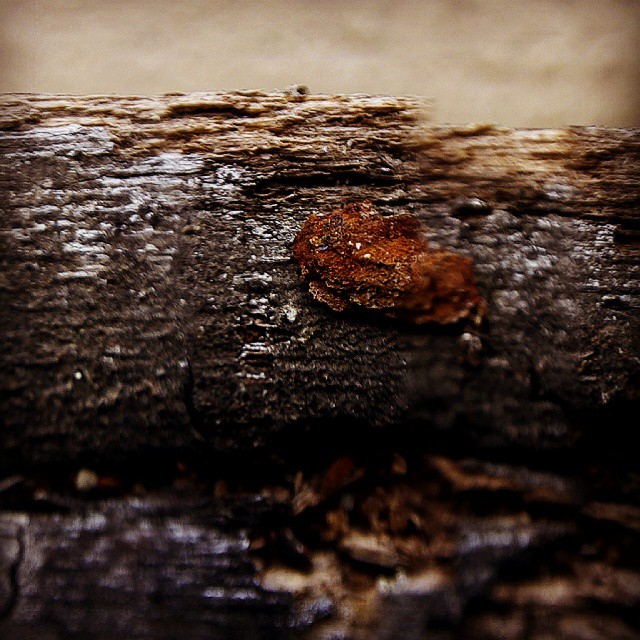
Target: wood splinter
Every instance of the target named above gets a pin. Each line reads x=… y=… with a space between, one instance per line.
x=356 y=257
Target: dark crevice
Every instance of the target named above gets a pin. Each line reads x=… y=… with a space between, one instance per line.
x=224 y=110
x=328 y=179
x=217 y=454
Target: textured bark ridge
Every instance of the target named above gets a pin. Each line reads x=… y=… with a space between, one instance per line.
x=477 y=481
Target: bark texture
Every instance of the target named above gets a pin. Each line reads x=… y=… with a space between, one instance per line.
x=476 y=481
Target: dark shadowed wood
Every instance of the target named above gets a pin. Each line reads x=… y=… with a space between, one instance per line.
x=151 y=311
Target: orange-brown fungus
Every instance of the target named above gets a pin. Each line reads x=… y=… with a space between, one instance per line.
x=356 y=257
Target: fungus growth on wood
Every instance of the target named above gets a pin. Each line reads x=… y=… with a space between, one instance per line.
x=356 y=257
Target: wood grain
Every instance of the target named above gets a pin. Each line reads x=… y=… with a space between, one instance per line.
x=152 y=314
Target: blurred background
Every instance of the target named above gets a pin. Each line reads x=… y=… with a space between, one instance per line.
x=528 y=63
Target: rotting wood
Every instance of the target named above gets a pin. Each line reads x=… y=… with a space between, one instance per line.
x=151 y=312
x=355 y=257
x=149 y=298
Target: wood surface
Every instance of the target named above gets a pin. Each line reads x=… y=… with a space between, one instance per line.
x=267 y=467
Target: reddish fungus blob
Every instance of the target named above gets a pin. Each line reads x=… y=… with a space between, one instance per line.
x=355 y=257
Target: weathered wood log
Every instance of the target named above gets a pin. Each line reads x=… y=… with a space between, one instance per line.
x=149 y=297
x=475 y=481
x=494 y=551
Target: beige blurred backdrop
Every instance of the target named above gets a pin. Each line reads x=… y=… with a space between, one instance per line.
x=528 y=63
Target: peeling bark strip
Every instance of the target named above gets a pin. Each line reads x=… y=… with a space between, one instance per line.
x=149 y=299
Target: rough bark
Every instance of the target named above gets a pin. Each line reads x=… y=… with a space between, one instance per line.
x=151 y=312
